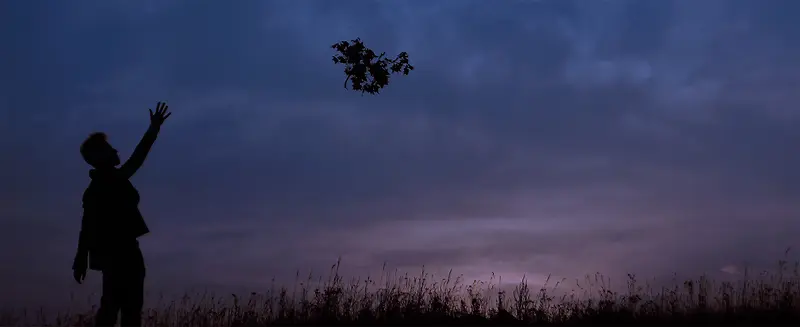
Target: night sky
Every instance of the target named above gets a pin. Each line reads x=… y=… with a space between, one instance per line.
x=533 y=138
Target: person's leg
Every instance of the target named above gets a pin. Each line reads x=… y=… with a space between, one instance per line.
x=110 y=300
x=133 y=302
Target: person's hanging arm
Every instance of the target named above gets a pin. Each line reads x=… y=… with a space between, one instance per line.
x=85 y=239
x=143 y=148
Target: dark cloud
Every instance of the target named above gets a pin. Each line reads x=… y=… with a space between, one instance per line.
x=534 y=137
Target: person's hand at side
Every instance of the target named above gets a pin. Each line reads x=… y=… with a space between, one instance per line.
x=79 y=268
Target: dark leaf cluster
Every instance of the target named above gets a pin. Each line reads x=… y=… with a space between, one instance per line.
x=366 y=71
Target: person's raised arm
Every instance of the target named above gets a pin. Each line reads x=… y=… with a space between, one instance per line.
x=143 y=148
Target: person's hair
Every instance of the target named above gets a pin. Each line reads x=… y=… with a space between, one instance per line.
x=94 y=143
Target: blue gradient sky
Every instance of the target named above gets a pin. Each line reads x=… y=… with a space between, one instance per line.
x=534 y=137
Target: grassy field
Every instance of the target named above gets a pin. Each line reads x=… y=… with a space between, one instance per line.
x=766 y=298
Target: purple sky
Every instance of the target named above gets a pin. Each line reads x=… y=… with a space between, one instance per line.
x=534 y=137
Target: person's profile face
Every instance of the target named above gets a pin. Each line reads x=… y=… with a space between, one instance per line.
x=108 y=155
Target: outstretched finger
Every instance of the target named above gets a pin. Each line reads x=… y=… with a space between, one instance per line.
x=167 y=116
x=151 y=112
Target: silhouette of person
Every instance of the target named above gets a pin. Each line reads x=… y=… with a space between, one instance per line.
x=112 y=223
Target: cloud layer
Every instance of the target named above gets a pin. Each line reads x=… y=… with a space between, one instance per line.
x=534 y=137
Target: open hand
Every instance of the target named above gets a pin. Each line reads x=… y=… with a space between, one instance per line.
x=161 y=114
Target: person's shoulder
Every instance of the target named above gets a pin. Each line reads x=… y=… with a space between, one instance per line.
x=98 y=182
x=89 y=194
x=91 y=189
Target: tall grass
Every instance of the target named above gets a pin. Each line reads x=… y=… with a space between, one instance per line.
x=767 y=298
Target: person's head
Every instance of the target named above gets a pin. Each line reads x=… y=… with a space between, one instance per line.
x=97 y=152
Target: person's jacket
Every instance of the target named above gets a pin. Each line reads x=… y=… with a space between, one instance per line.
x=111 y=218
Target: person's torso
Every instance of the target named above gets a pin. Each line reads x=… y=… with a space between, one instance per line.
x=114 y=203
